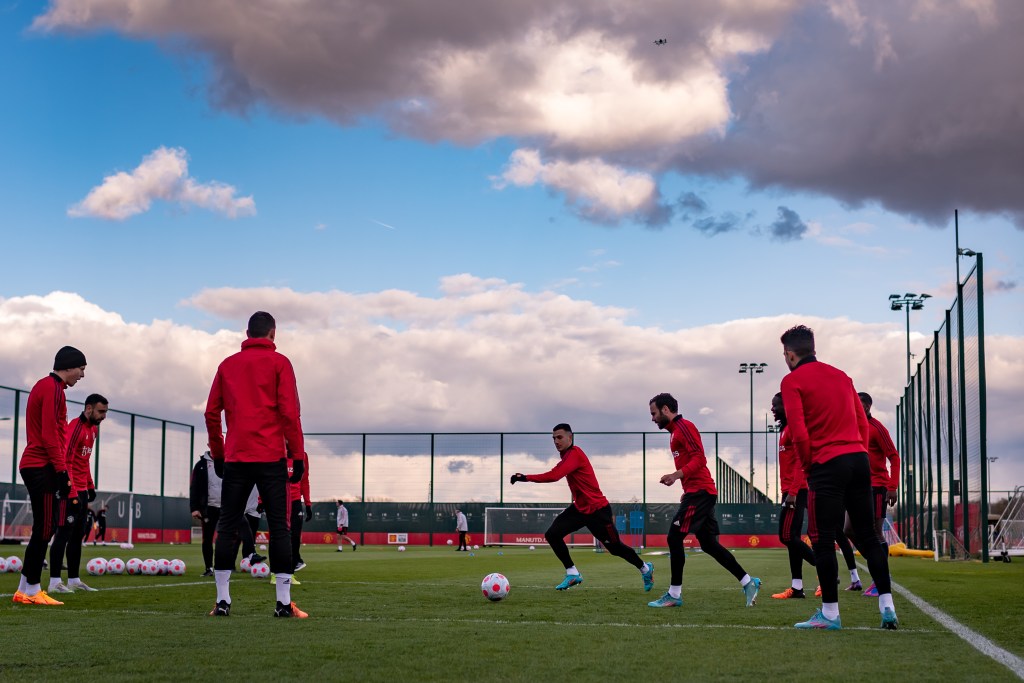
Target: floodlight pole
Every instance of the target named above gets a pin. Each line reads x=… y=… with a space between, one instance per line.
x=907 y=302
x=752 y=369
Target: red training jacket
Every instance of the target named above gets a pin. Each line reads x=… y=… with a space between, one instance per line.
x=299 y=490
x=688 y=456
x=79 y=454
x=256 y=390
x=575 y=466
x=880 y=449
x=791 y=470
x=46 y=419
x=824 y=414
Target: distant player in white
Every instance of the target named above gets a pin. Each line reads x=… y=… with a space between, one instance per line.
x=462 y=527
x=343 y=526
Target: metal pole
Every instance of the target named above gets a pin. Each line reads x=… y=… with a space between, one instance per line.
x=982 y=409
x=953 y=492
x=362 y=494
x=962 y=376
x=131 y=460
x=751 y=434
x=14 y=447
x=938 y=426
x=907 y=307
x=501 y=468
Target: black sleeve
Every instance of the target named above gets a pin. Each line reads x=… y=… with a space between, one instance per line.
x=198 y=490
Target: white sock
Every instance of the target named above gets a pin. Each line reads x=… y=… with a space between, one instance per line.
x=283 y=583
x=798 y=584
x=675 y=591
x=853 y=575
x=75 y=581
x=885 y=600
x=745 y=580
x=32 y=589
x=54 y=580
x=643 y=567
x=830 y=610
x=223 y=577
x=340 y=548
x=572 y=571
x=22 y=585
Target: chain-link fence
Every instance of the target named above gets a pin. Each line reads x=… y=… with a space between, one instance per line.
x=941 y=430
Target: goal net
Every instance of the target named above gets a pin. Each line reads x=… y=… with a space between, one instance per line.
x=1008 y=534
x=15 y=520
x=948 y=546
x=526 y=526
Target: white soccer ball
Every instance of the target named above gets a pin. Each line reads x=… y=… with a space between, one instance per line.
x=163 y=566
x=3 y=565
x=14 y=564
x=495 y=587
x=97 y=566
x=263 y=546
x=115 y=565
x=127 y=546
x=260 y=570
x=449 y=541
x=245 y=564
x=133 y=566
x=476 y=547
x=401 y=548
x=176 y=568
x=532 y=548
x=150 y=567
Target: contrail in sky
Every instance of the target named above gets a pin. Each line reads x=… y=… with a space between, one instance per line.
x=389 y=227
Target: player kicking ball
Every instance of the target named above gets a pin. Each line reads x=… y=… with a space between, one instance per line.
x=589 y=508
x=696 y=507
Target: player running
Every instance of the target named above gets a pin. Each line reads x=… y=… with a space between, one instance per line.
x=885 y=480
x=696 y=513
x=829 y=431
x=794 y=504
x=589 y=508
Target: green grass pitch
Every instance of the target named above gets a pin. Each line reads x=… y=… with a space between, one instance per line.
x=380 y=615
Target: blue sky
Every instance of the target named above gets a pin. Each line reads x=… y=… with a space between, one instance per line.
x=351 y=196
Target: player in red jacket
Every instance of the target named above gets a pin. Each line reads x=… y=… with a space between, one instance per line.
x=830 y=434
x=696 y=513
x=44 y=467
x=71 y=510
x=589 y=508
x=794 y=504
x=255 y=389
x=297 y=493
x=885 y=474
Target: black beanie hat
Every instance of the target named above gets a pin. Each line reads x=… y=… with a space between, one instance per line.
x=68 y=357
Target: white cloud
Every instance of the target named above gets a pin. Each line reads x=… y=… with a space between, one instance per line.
x=163 y=174
x=484 y=355
x=592 y=187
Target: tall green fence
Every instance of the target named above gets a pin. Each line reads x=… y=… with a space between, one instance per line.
x=134 y=453
x=941 y=433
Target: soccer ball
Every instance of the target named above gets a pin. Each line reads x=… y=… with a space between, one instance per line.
x=245 y=564
x=97 y=566
x=115 y=565
x=449 y=541
x=133 y=566
x=476 y=547
x=495 y=587
x=163 y=566
x=260 y=570
x=532 y=548
x=150 y=567
x=176 y=568
x=401 y=548
x=3 y=565
x=14 y=564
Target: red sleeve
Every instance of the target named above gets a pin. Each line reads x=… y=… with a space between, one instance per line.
x=696 y=460
x=862 y=421
x=798 y=435
x=54 y=427
x=893 y=456
x=288 y=404
x=565 y=466
x=214 y=406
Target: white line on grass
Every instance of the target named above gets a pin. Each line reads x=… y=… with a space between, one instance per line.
x=135 y=588
x=973 y=638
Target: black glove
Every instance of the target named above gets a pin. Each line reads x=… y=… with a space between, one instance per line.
x=298 y=467
x=218 y=468
x=63 y=484
x=309 y=512
x=259 y=508
x=90 y=495
x=517 y=477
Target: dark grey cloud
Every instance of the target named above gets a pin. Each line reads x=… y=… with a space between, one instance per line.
x=716 y=225
x=689 y=205
x=460 y=466
x=1005 y=285
x=788 y=226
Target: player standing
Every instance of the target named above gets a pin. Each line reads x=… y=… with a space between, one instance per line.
x=343 y=526
x=885 y=480
x=830 y=433
x=256 y=390
x=297 y=492
x=794 y=504
x=696 y=513
x=71 y=510
x=204 y=499
x=462 y=526
x=44 y=468
x=589 y=508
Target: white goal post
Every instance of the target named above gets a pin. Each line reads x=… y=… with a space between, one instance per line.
x=526 y=526
x=15 y=520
